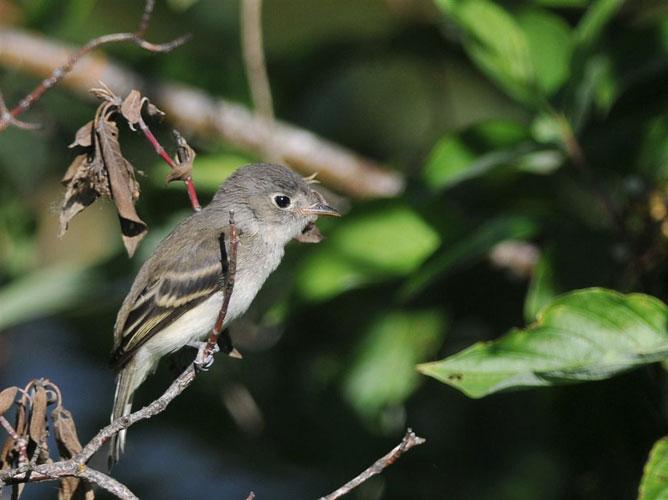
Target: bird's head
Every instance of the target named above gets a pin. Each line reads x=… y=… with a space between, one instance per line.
x=274 y=201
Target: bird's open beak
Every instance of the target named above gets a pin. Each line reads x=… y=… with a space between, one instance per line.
x=321 y=208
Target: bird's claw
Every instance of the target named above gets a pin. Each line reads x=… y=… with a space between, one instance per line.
x=204 y=358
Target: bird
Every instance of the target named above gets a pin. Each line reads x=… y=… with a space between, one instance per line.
x=177 y=294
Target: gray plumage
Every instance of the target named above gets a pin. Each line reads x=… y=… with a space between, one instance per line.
x=176 y=296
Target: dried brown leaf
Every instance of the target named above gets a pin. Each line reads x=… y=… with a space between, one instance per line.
x=72 y=488
x=21 y=425
x=65 y=432
x=106 y=94
x=7 y=447
x=7 y=397
x=89 y=181
x=78 y=162
x=131 y=107
x=38 y=416
x=185 y=156
x=84 y=136
x=154 y=111
x=124 y=185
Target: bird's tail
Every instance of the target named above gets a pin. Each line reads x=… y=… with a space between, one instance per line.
x=126 y=382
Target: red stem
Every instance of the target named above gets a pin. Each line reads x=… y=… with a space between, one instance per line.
x=190 y=186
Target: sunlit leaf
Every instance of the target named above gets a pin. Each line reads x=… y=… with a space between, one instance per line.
x=483 y=148
x=392 y=240
x=496 y=43
x=590 y=334
x=541 y=288
x=654 y=483
x=383 y=371
x=595 y=20
x=550 y=46
x=470 y=247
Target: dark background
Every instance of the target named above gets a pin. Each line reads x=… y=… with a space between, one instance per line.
x=328 y=383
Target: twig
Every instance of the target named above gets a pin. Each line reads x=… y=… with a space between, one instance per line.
x=6 y=116
x=254 y=61
x=195 y=112
x=256 y=71
x=228 y=287
x=190 y=186
x=61 y=71
x=409 y=441
x=76 y=466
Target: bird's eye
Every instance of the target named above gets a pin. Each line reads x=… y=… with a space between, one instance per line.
x=282 y=201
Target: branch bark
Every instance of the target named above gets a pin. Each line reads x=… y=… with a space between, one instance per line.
x=193 y=111
x=409 y=441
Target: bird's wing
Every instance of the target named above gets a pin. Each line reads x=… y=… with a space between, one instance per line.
x=167 y=288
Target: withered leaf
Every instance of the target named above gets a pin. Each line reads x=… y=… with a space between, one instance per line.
x=84 y=136
x=78 y=163
x=104 y=93
x=65 y=432
x=310 y=234
x=88 y=181
x=5 y=462
x=154 y=111
x=7 y=397
x=38 y=416
x=131 y=107
x=124 y=185
x=185 y=156
x=73 y=488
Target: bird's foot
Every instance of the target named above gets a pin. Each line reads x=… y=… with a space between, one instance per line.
x=204 y=358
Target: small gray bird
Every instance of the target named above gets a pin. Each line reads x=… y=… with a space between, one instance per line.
x=176 y=296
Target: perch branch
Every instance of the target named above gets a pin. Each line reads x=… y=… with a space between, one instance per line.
x=58 y=73
x=193 y=111
x=76 y=466
x=409 y=441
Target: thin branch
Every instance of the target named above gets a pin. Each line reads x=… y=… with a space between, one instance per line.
x=409 y=441
x=6 y=116
x=61 y=71
x=76 y=466
x=190 y=186
x=256 y=72
x=194 y=112
x=228 y=287
x=254 y=61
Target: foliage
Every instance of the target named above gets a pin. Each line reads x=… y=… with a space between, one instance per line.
x=542 y=122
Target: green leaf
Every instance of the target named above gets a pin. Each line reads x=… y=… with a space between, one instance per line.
x=550 y=46
x=496 y=43
x=470 y=247
x=484 y=148
x=595 y=20
x=654 y=482
x=388 y=241
x=42 y=293
x=383 y=371
x=541 y=288
x=589 y=334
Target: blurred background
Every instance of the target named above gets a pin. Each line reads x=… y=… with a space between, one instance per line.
x=532 y=137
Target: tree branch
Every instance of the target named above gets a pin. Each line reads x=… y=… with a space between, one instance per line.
x=193 y=111
x=58 y=73
x=409 y=441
